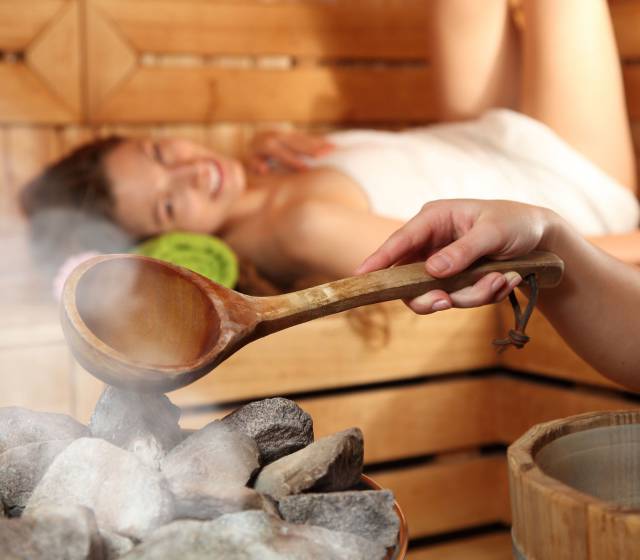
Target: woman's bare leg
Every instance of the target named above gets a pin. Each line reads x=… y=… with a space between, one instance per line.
x=572 y=81
x=475 y=56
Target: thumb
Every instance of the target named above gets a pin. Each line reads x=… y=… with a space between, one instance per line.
x=479 y=241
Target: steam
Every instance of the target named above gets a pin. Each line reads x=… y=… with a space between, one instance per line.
x=59 y=233
x=32 y=252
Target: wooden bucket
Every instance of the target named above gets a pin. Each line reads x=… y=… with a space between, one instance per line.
x=575 y=488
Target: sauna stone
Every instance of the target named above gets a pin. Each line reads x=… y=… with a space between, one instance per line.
x=20 y=426
x=115 y=545
x=368 y=513
x=21 y=468
x=214 y=455
x=279 y=427
x=253 y=535
x=145 y=424
x=194 y=503
x=127 y=496
x=62 y=531
x=330 y=464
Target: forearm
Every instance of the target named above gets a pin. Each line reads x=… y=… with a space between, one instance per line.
x=596 y=309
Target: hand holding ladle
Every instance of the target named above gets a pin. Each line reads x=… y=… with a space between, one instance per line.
x=148 y=325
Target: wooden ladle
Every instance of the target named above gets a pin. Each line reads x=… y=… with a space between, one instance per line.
x=147 y=325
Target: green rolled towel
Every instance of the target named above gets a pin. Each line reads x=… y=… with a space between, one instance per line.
x=204 y=254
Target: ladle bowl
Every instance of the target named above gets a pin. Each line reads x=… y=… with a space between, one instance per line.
x=148 y=325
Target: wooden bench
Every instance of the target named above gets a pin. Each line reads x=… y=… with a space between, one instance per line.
x=436 y=403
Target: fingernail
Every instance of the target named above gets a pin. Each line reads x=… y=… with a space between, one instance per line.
x=498 y=283
x=439 y=262
x=513 y=279
x=440 y=305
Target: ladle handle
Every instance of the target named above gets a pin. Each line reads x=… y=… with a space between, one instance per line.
x=399 y=282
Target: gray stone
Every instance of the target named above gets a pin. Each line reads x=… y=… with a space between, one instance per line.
x=330 y=464
x=115 y=545
x=209 y=457
x=21 y=468
x=279 y=427
x=145 y=424
x=253 y=535
x=127 y=496
x=195 y=503
x=368 y=513
x=20 y=426
x=60 y=532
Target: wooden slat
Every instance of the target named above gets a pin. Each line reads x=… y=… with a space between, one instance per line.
x=8 y=206
x=400 y=422
x=631 y=74
x=74 y=136
x=626 y=22
x=55 y=56
x=635 y=134
x=496 y=546
x=108 y=59
x=427 y=418
x=21 y=21
x=292 y=361
x=354 y=29
x=36 y=377
x=521 y=404
x=29 y=148
x=451 y=496
x=305 y=94
x=24 y=98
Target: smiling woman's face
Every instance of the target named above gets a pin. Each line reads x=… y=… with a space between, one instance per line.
x=171 y=184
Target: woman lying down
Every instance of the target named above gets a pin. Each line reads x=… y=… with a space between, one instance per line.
x=312 y=205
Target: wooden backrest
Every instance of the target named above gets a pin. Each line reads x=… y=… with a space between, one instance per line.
x=214 y=70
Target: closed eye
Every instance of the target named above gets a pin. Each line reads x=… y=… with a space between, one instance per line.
x=157 y=153
x=168 y=209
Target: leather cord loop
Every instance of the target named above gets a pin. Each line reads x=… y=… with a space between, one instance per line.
x=517 y=336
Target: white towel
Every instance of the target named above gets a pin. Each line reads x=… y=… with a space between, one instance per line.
x=501 y=155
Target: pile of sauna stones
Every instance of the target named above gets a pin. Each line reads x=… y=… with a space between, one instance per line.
x=133 y=485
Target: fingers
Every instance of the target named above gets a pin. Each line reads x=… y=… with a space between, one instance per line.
x=287 y=157
x=480 y=240
x=492 y=288
x=306 y=144
x=411 y=238
x=286 y=149
x=258 y=164
x=435 y=300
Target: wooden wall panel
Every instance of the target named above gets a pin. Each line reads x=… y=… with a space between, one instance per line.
x=109 y=59
x=28 y=149
x=441 y=416
x=400 y=421
x=626 y=23
x=494 y=546
x=24 y=98
x=308 y=95
x=36 y=377
x=459 y=494
x=631 y=73
x=55 y=56
x=547 y=353
x=521 y=404
x=384 y=29
x=21 y=21
x=8 y=203
x=292 y=361
x=41 y=81
x=410 y=421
